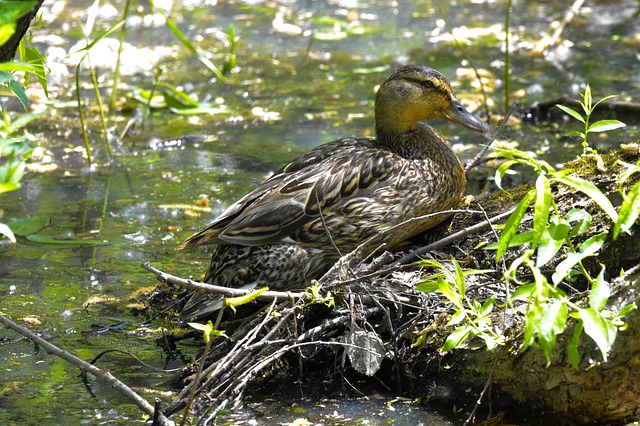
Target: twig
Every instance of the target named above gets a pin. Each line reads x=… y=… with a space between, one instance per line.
x=210 y=288
x=453 y=237
x=85 y=367
x=568 y=17
x=487 y=384
x=215 y=371
x=141 y=362
x=491 y=138
x=366 y=246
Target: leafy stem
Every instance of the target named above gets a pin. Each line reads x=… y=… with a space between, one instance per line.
x=587 y=108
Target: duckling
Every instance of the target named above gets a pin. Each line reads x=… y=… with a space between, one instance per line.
x=328 y=201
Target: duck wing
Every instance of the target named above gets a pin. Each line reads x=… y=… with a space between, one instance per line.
x=298 y=192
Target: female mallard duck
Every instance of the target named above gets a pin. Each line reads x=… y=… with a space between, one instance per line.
x=340 y=194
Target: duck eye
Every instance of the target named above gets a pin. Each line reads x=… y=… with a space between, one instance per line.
x=428 y=84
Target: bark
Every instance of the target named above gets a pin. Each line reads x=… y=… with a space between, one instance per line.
x=8 y=50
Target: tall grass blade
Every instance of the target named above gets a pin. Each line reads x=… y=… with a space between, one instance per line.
x=176 y=31
x=103 y=120
x=83 y=126
x=116 y=70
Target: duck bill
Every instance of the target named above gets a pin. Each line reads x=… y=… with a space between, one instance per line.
x=458 y=114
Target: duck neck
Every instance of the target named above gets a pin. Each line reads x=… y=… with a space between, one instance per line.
x=419 y=141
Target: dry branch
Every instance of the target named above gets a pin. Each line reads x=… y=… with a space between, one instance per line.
x=85 y=367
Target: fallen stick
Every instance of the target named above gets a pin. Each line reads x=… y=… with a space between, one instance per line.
x=85 y=367
x=210 y=288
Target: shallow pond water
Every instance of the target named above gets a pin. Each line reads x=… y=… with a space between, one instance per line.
x=306 y=74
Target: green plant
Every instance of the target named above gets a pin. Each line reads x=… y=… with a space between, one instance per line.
x=630 y=208
x=87 y=49
x=165 y=95
x=189 y=45
x=548 y=306
x=230 y=60
x=470 y=317
x=16 y=148
x=116 y=69
x=13 y=156
x=587 y=108
x=210 y=332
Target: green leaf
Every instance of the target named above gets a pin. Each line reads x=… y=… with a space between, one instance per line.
x=427 y=287
x=626 y=310
x=10 y=12
x=28 y=225
x=516 y=241
x=572 y=347
x=48 y=239
x=588 y=248
x=629 y=211
x=460 y=282
x=600 y=292
x=6 y=31
x=32 y=56
x=177 y=98
x=112 y=29
x=552 y=240
x=502 y=170
x=447 y=291
x=541 y=208
x=572 y=112
x=604 y=99
x=15 y=172
x=548 y=248
x=197 y=326
x=207 y=329
x=457 y=317
x=559 y=228
x=605 y=126
x=176 y=31
x=592 y=244
x=532 y=322
x=487 y=306
x=596 y=327
x=19 y=66
x=588 y=108
x=591 y=191
x=552 y=323
x=22 y=121
x=457 y=338
x=6 y=231
x=8 y=186
x=511 y=227
x=18 y=90
x=583 y=218
x=524 y=291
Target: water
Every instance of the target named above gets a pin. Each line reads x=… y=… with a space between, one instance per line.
x=289 y=94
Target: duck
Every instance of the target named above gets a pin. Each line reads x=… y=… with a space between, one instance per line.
x=295 y=225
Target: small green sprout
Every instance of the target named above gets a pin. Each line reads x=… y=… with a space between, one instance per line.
x=588 y=107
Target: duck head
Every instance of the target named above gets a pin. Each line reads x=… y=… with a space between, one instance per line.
x=415 y=93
